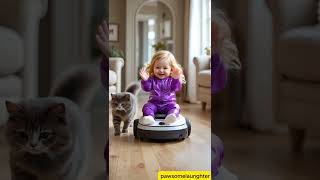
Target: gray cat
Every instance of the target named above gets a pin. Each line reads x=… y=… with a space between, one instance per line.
x=49 y=137
x=124 y=107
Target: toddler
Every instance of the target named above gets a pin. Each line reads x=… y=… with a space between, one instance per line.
x=162 y=78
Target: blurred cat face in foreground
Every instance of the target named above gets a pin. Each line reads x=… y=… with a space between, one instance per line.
x=37 y=132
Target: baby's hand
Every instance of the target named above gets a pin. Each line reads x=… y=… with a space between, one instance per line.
x=176 y=73
x=218 y=38
x=143 y=74
x=101 y=37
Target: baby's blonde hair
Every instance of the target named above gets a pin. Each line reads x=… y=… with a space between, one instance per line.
x=168 y=56
x=221 y=20
x=229 y=51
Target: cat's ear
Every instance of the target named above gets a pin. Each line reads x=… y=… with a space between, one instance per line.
x=13 y=108
x=113 y=96
x=57 y=109
x=127 y=97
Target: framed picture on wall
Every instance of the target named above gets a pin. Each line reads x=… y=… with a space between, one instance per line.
x=167 y=29
x=113 y=32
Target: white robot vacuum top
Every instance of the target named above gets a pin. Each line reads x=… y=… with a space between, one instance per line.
x=180 y=129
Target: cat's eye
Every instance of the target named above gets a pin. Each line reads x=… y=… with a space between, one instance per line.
x=45 y=135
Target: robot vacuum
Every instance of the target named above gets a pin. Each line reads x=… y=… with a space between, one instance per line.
x=178 y=130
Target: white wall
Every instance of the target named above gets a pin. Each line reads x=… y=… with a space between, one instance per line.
x=117 y=14
x=70 y=34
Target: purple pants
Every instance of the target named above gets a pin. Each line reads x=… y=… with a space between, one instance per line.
x=217 y=153
x=150 y=109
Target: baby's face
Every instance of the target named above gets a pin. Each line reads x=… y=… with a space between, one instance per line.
x=161 y=69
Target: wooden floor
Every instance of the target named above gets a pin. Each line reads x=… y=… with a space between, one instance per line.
x=130 y=158
x=264 y=156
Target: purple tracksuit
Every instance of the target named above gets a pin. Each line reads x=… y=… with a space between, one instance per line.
x=104 y=67
x=162 y=96
x=217 y=153
x=218 y=83
x=219 y=76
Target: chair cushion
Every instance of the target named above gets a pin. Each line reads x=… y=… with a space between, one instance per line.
x=11 y=51
x=299 y=114
x=204 y=94
x=299 y=103
x=10 y=86
x=112 y=77
x=300 y=91
x=204 y=78
x=299 y=53
x=112 y=89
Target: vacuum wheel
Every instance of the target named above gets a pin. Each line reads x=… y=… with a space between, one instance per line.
x=135 y=128
x=189 y=126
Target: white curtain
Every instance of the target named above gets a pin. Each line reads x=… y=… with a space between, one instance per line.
x=196 y=39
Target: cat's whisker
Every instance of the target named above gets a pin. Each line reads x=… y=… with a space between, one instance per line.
x=18 y=150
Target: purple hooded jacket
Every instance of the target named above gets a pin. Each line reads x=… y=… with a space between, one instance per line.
x=161 y=90
x=104 y=71
x=219 y=77
x=162 y=95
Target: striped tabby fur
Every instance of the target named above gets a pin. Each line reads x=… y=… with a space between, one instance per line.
x=124 y=108
x=49 y=136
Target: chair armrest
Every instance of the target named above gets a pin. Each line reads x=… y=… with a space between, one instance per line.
x=288 y=14
x=24 y=16
x=116 y=64
x=201 y=63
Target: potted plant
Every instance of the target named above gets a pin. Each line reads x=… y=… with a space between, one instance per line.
x=160 y=45
x=115 y=52
x=208 y=50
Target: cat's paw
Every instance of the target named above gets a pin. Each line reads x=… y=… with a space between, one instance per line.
x=171 y=118
x=124 y=130
x=147 y=120
x=117 y=133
